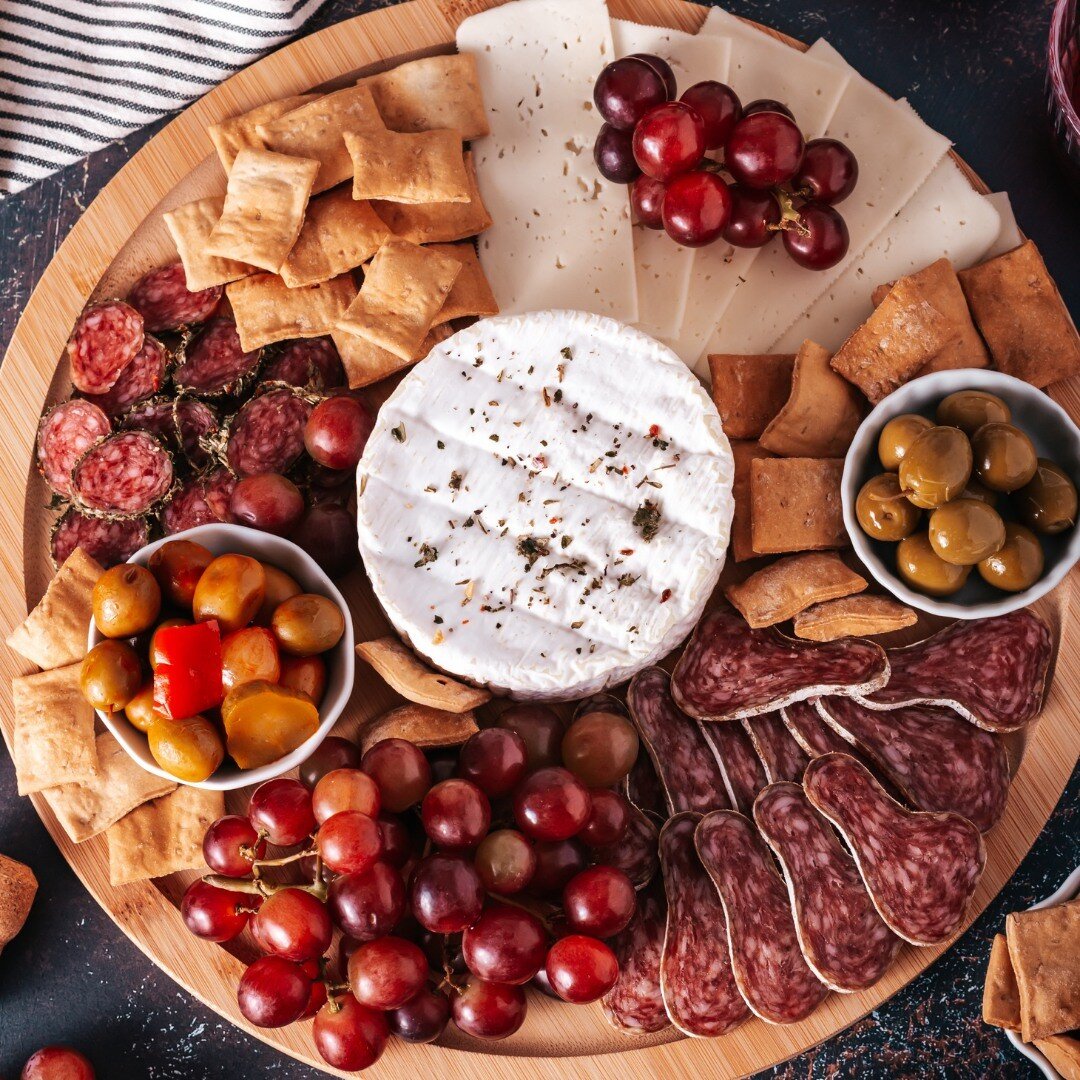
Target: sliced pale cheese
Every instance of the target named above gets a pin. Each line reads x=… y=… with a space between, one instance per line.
x=561 y=235
x=945 y=217
x=1009 y=235
x=661 y=266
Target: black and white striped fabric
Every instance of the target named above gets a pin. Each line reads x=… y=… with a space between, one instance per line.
x=76 y=75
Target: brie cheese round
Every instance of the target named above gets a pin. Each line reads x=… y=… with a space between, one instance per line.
x=544 y=504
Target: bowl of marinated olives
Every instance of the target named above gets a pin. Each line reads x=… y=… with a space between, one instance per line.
x=219 y=657
x=959 y=493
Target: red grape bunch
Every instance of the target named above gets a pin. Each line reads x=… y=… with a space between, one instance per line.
x=762 y=179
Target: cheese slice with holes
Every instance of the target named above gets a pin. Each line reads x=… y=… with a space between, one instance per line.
x=544 y=504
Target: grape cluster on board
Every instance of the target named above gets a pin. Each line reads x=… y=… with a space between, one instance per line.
x=455 y=877
x=779 y=182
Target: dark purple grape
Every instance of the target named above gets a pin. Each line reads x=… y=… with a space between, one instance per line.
x=718 y=105
x=759 y=105
x=327 y=532
x=752 y=212
x=423 y=1018
x=764 y=149
x=626 y=90
x=662 y=68
x=825 y=239
x=828 y=173
x=613 y=153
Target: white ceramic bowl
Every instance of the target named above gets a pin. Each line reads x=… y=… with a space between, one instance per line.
x=1051 y=430
x=284 y=554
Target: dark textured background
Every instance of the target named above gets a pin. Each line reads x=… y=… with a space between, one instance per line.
x=974 y=69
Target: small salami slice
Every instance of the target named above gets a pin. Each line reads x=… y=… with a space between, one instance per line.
x=635 y=1004
x=141 y=379
x=65 y=433
x=729 y=671
x=688 y=770
x=267 y=434
x=843 y=938
x=309 y=362
x=195 y=421
x=154 y=416
x=124 y=475
x=741 y=767
x=769 y=968
x=920 y=869
x=163 y=300
x=810 y=731
x=936 y=760
x=200 y=500
x=780 y=754
x=218 y=485
x=643 y=788
x=991 y=671
x=635 y=854
x=109 y=542
x=696 y=979
x=105 y=340
x=212 y=363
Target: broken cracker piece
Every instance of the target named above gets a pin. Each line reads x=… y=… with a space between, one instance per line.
x=419 y=724
x=413 y=679
x=1001 y=996
x=749 y=390
x=267 y=310
x=853 y=616
x=1044 y=947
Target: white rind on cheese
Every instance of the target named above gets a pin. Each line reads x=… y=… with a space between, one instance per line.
x=559 y=425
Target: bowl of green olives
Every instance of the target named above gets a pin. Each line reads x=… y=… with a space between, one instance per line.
x=959 y=493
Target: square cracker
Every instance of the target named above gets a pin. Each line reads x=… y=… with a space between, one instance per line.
x=425 y=167
x=339 y=233
x=471 y=294
x=267 y=310
x=1001 y=996
x=795 y=505
x=1063 y=1052
x=189 y=226
x=89 y=808
x=433 y=92
x=54 y=730
x=853 y=616
x=1044 y=946
x=365 y=363
x=749 y=390
x=162 y=836
x=238 y=132
x=317 y=131
x=744 y=454
x=1021 y=315
x=403 y=290
x=264 y=208
x=54 y=633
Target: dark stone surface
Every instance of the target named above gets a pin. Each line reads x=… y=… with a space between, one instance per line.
x=975 y=71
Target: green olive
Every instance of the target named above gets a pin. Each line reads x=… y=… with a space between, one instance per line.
x=936 y=467
x=924 y=570
x=897 y=435
x=968 y=410
x=975 y=490
x=1018 y=565
x=883 y=510
x=965 y=531
x=1048 y=502
x=1005 y=457
x=110 y=675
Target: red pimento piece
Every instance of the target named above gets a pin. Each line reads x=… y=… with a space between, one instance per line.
x=188 y=676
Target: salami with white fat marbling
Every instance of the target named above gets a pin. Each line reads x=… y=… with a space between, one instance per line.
x=810 y=731
x=782 y=757
x=124 y=475
x=642 y=786
x=213 y=363
x=267 y=434
x=154 y=416
x=162 y=298
x=65 y=433
x=743 y=773
x=106 y=338
x=140 y=380
x=309 y=362
x=200 y=500
x=195 y=422
x=635 y=1004
x=635 y=854
x=109 y=542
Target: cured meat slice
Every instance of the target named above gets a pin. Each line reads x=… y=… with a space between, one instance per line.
x=212 y=362
x=162 y=298
x=936 y=760
x=991 y=671
x=696 y=980
x=642 y=787
x=106 y=338
x=200 y=500
x=743 y=774
x=218 y=485
x=109 y=542
x=635 y=1004
x=154 y=416
x=843 y=938
x=65 y=433
x=267 y=434
x=194 y=421
x=782 y=757
x=684 y=761
x=124 y=475
x=636 y=853
x=141 y=379
x=810 y=731
x=920 y=869
x=729 y=671
x=767 y=961
x=309 y=362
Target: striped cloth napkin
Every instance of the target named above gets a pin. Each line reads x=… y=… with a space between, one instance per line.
x=76 y=75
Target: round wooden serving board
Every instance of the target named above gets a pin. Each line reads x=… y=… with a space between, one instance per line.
x=118 y=239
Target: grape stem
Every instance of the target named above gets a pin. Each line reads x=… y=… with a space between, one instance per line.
x=790 y=219
x=258 y=887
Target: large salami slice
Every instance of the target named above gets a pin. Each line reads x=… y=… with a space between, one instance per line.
x=920 y=869
x=267 y=434
x=635 y=1004
x=309 y=362
x=141 y=379
x=643 y=788
x=636 y=853
x=782 y=757
x=163 y=300
x=684 y=761
x=124 y=475
x=844 y=940
x=729 y=671
x=743 y=774
x=195 y=421
x=65 y=433
x=109 y=542
x=769 y=968
x=212 y=362
x=105 y=340
x=696 y=980
x=935 y=759
x=810 y=731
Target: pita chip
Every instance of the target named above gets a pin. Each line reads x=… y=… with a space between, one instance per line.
x=1044 y=947
x=795 y=505
x=366 y=363
x=1063 y=1052
x=425 y=167
x=18 y=887
x=749 y=390
x=853 y=616
x=238 y=132
x=1001 y=996
x=267 y=310
x=471 y=294
x=190 y=225
x=745 y=454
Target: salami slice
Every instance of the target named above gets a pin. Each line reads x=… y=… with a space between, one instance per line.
x=109 y=542
x=843 y=938
x=212 y=363
x=685 y=763
x=267 y=434
x=162 y=298
x=200 y=500
x=141 y=379
x=194 y=421
x=218 y=485
x=635 y=1004
x=920 y=869
x=106 y=338
x=309 y=362
x=154 y=416
x=936 y=760
x=696 y=979
x=810 y=731
x=635 y=854
x=124 y=475
x=991 y=671
x=643 y=788
x=769 y=968
x=741 y=768
x=782 y=757
x=65 y=433
x=729 y=671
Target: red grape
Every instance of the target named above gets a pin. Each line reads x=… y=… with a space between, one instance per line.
x=608 y=818
x=825 y=241
x=443 y=764
x=345 y=789
x=447 y=894
x=367 y=905
x=401 y=772
x=505 y=945
x=349 y=1035
x=505 y=861
x=397 y=845
x=828 y=173
x=540 y=729
x=489 y=1010
x=216 y=914
x=752 y=212
x=718 y=106
x=626 y=90
x=764 y=149
x=332 y=753
x=282 y=810
x=647 y=201
x=456 y=814
x=423 y=1018
x=443 y=952
x=494 y=760
x=613 y=152
x=551 y=804
x=386 y=973
x=269 y=501
x=317 y=998
x=294 y=925
x=542 y=983
x=581 y=969
x=327 y=532
x=599 y=901
x=273 y=992
x=556 y=864
x=231 y=845
x=759 y=105
x=662 y=68
x=337 y=432
x=696 y=208
x=57 y=1063
x=668 y=140
x=349 y=842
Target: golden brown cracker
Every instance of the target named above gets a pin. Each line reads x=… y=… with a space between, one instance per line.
x=853 y=616
x=1001 y=996
x=366 y=363
x=420 y=724
x=190 y=225
x=471 y=294
x=403 y=670
x=425 y=167
x=795 y=505
x=1044 y=946
x=238 y=133
x=1063 y=1052
x=749 y=390
x=744 y=454
x=267 y=310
